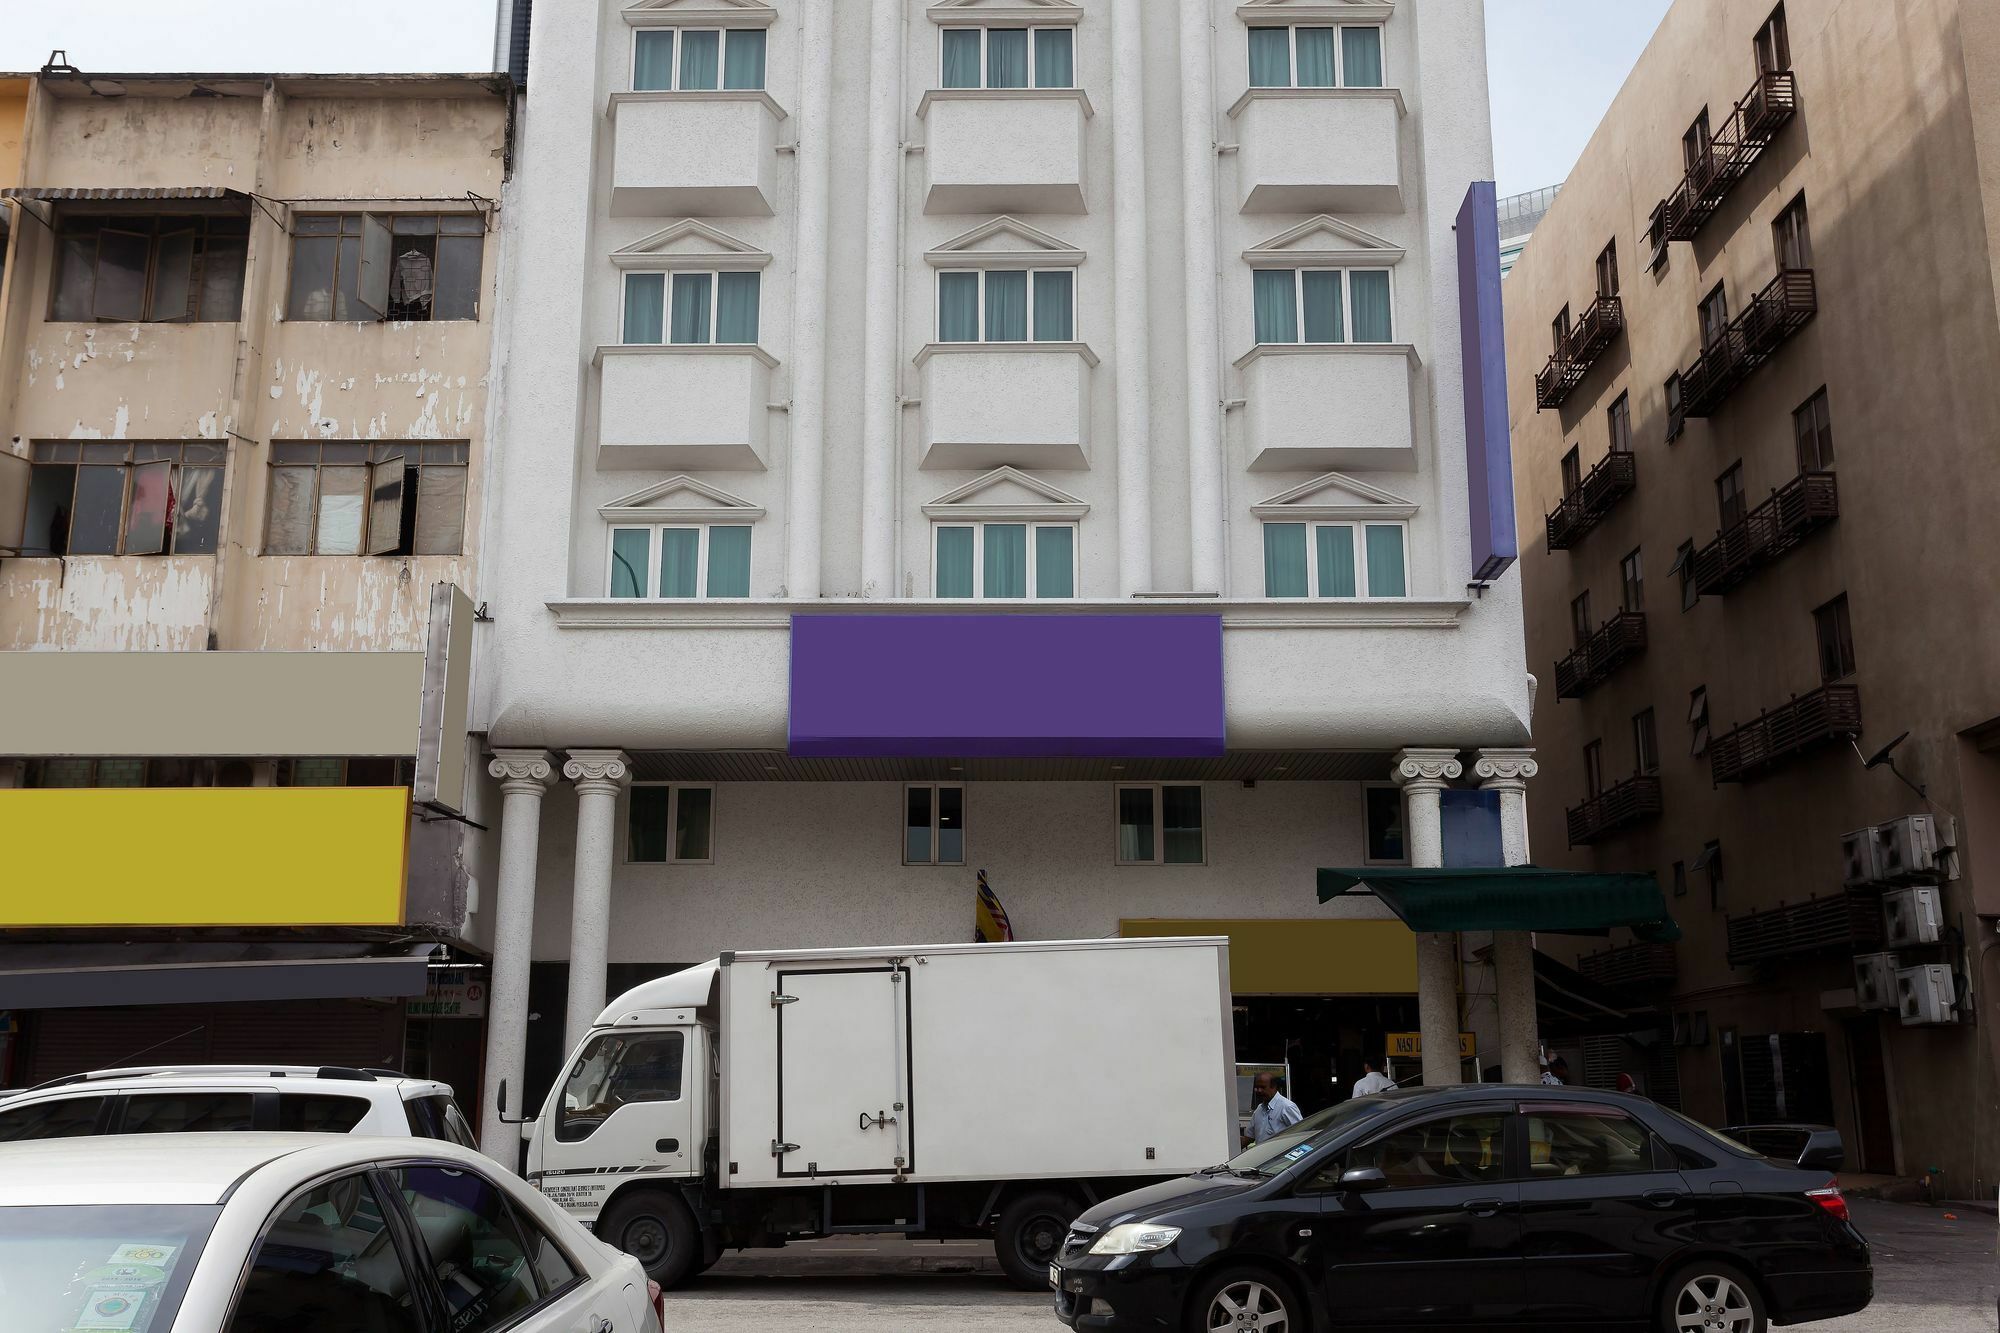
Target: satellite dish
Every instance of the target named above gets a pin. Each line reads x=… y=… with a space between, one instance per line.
x=1881 y=756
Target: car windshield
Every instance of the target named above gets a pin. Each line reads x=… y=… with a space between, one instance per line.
x=1278 y=1152
x=1713 y=1136
x=100 y=1266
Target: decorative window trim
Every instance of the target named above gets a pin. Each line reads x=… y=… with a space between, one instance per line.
x=1036 y=13
x=729 y=253
x=1004 y=95
x=712 y=14
x=618 y=99
x=1040 y=251
x=1250 y=95
x=1057 y=505
x=1364 y=249
x=638 y=509
x=978 y=526
x=1406 y=350
x=1373 y=504
x=1272 y=12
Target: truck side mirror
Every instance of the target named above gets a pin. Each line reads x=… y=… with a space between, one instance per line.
x=500 y=1106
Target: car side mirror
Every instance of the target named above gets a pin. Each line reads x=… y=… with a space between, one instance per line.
x=1363 y=1180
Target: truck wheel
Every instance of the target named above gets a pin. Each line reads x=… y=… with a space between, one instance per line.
x=1029 y=1236
x=655 y=1228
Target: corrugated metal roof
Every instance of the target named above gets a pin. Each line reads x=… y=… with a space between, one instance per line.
x=777 y=766
x=111 y=193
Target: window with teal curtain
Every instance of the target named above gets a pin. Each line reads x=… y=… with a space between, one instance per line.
x=1055 y=58
x=1006 y=57
x=701 y=60
x=736 y=307
x=1277 y=303
x=1006 y=573
x=1322 y=305
x=1385 y=561
x=1007 y=306
x=958 y=64
x=954 y=562
x=743 y=58
x=958 y=307
x=1361 y=57
x=1335 y=542
x=1370 y=290
x=1270 y=57
x=1315 y=57
x=1055 y=306
x=1055 y=561
x=680 y=554
x=645 y=307
x=628 y=561
x=1284 y=559
x=690 y=309
x=729 y=562
x=652 y=60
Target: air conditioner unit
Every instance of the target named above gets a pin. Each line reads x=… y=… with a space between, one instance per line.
x=1926 y=994
x=1912 y=916
x=1907 y=849
x=1861 y=857
x=1875 y=981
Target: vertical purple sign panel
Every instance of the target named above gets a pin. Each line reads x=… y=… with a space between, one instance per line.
x=1489 y=463
x=1006 y=686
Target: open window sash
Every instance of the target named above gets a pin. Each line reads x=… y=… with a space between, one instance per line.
x=15 y=474
x=386 y=480
x=149 y=511
x=173 y=276
x=371 y=289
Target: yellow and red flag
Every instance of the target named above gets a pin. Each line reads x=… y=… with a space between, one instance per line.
x=990 y=923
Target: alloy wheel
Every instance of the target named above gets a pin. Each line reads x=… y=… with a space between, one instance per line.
x=1712 y=1303
x=1248 y=1305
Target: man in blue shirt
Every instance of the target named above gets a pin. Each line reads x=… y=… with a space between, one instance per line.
x=1273 y=1111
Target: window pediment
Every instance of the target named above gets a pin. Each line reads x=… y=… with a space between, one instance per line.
x=1041 y=13
x=681 y=499
x=1324 y=242
x=700 y=14
x=1006 y=493
x=689 y=244
x=1002 y=242
x=1334 y=496
x=1260 y=12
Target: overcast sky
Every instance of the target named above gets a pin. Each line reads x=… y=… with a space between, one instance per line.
x=1554 y=64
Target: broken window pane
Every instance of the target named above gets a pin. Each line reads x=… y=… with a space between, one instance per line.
x=412 y=276
x=343 y=495
x=121 y=275
x=51 y=487
x=312 y=277
x=76 y=277
x=100 y=503
x=458 y=259
x=146 y=520
x=441 y=511
x=197 y=509
x=173 y=277
x=288 y=528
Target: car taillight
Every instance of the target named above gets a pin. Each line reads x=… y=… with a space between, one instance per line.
x=1831 y=1199
x=659 y=1299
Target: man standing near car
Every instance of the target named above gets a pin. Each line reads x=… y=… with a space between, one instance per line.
x=1273 y=1111
x=1372 y=1080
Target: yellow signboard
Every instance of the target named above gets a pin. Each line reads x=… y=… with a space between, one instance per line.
x=1322 y=956
x=1410 y=1045
x=204 y=856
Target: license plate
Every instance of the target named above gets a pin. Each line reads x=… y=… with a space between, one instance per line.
x=1055 y=1276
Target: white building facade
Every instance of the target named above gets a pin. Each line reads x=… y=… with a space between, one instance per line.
x=1014 y=436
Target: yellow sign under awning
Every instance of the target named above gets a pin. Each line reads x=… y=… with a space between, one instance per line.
x=1410 y=1045
x=1303 y=957
x=204 y=856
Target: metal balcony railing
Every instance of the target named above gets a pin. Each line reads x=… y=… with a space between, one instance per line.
x=1630 y=802
x=1785 y=305
x=1594 y=331
x=1631 y=967
x=1796 y=510
x=1615 y=642
x=1841 y=923
x=1829 y=713
x=1733 y=149
x=1583 y=508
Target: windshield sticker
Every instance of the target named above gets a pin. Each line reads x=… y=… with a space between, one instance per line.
x=125 y=1275
x=111 y=1310
x=1298 y=1152
x=142 y=1254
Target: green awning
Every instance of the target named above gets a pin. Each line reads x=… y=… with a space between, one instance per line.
x=1561 y=902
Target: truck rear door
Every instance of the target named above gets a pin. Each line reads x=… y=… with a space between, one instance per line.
x=843 y=1072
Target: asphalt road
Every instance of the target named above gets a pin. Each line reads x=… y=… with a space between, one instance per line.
x=1932 y=1275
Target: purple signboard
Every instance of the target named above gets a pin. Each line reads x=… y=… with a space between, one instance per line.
x=1489 y=465
x=1006 y=686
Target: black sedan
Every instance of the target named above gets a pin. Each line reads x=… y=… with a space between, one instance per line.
x=1474 y=1207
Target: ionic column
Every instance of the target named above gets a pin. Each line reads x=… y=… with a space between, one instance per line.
x=1424 y=774
x=524 y=777
x=599 y=775
x=1507 y=772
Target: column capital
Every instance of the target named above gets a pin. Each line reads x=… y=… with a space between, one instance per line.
x=522 y=772
x=1433 y=768
x=1498 y=769
x=598 y=770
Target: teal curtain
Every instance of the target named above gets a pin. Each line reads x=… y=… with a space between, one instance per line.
x=1055 y=562
x=1006 y=57
x=1336 y=560
x=1006 y=560
x=680 y=552
x=743 y=58
x=1007 y=306
x=628 y=561
x=1055 y=306
x=1361 y=57
x=645 y=307
x=729 y=562
x=736 y=307
x=959 y=65
x=1322 y=302
x=1315 y=57
x=954 y=562
x=1385 y=561
x=958 y=307
x=1277 y=305
x=1372 y=322
x=1270 y=57
x=1055 y=58
x=701 y=56
x=690 y=312
x=1284 y=559
x=652 y=60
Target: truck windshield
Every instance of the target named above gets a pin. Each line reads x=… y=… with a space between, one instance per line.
x=110 y=1266
x=1278 y=1152
x=618 y=1069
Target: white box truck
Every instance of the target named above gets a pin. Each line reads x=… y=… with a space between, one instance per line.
x=954 y=1091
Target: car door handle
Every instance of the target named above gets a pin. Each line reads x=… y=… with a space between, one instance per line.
x=598 y=1324
x=1664 y=1198
x=1482 y=1207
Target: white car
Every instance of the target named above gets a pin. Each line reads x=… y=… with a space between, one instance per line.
x=177 y=1099
x=290 y=1233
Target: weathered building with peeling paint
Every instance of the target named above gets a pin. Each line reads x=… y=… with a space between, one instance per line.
x=245 y=353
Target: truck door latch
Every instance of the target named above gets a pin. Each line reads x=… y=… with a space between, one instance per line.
x=777 y=999
x=878 y=1120
x=779 y=1147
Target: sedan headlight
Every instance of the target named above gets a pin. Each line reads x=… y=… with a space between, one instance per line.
x=1135 y=1238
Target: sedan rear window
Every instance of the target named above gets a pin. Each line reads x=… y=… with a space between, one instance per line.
x=101 y=1266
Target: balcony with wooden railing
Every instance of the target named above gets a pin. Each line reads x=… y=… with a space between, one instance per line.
x=1829 y=713
x=1633 y=967
x=1616 y=642
x=1840 y=923
x=1785 y=305
x=1733 y=149
x=1594 y=331
x=1585 y=507
x=1796 y=510
x=1632 y=801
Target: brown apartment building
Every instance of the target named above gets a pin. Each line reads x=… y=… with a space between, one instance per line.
x=1754 y=352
